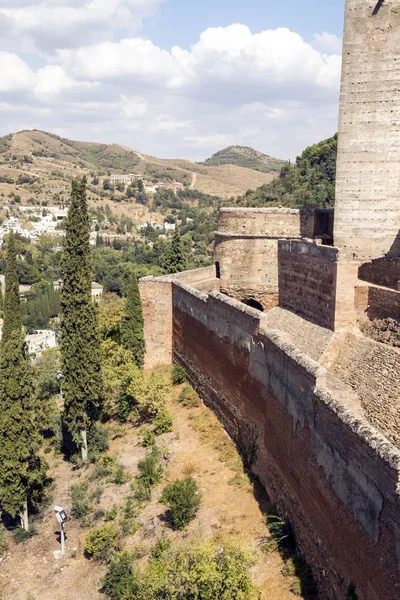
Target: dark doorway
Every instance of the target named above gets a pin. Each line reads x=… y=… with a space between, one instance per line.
x=217 y=270
x=254 y=304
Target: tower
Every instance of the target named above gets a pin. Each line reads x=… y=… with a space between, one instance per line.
x=367 y=210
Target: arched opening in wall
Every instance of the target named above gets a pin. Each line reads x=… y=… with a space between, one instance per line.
x=254 y=304
x=217 y=270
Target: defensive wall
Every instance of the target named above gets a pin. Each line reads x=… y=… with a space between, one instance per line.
x=326 y=467
x=246 y=247
x=367 y=207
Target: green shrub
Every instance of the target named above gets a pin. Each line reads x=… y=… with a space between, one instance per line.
x=118 y=583
x=105 y=466
x=178 y=375
x=120 y=477
x=141 y=491
x=97 y=440
x=101 y=543
x=20 y=535
x=281 y=535
x=111 y=515
x=81 y=505
x=163 y=423
x=193 y=569
x=183 y=500
x=163 y=544
x=130 y=513
x=150 y=469
x=148 y=438
x=188 y=397
x=99 y=514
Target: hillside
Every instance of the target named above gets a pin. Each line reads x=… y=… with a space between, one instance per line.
x=49 y=159
x=243 y=156
x=309 y=182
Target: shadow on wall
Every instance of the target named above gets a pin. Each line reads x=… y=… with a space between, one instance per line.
x=384 y=271
x=254 y=304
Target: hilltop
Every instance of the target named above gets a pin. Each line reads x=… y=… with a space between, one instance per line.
x=246 y=157
x=309 y=182
x=48 y=158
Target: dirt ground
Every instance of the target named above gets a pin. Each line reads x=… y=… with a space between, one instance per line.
x=198 y=446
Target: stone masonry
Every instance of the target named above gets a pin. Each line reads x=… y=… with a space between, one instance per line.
x=367 y=209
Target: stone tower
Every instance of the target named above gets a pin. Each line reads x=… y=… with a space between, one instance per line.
x=367 y=211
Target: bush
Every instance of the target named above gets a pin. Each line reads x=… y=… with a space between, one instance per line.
x=150 y=468
x=105 y=466
x=118 y=583
x=148 y=438
x=20 y=535
x=193 y=569
x=163 y=423
x=97 y=441
x=141 y=491
x=128 y=524
x=81 y=505
x=178 y=375
x=183 y=500
x=188 y=397
x=101 y=543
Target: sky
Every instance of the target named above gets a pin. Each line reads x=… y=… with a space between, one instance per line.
x=173 y=78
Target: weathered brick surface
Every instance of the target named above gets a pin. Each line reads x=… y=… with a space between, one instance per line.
x=384 y=271
x=373 y=371
x=377 y=303
x=367 y=208
x=247 y=252
x=327 y=469
x=307 y=281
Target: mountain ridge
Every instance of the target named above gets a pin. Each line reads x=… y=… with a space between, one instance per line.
x=247 y=157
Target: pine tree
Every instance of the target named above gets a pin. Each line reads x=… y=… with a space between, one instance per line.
x=132 y=323
x=12 y=311
x=174 y=260
x=21 y=469
x=80 y=338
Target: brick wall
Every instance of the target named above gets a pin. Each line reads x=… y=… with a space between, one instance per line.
x=377 y=303
x=330 y=472
x=307 y=281
x=385 y=271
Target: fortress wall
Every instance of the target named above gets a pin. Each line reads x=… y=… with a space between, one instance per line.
x=385 y=271
x=156 y=296
x=332 y=474
x=248 y=268
x=377 y=303
x=372 y=370
x=367 y=207
x=307 y=280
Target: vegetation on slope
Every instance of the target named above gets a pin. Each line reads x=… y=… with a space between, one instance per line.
x=309 y=182
x=244 y=156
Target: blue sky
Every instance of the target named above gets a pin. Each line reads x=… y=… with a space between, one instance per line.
x=181 y=79
x=182 y=21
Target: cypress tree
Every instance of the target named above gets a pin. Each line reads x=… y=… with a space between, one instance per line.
x=80 y=337
x=174 y=258
x=12 y=311
x=21 y=469
x=132 y=323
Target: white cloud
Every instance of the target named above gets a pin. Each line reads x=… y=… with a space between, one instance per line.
x=271 y=90
x=47 y=26
x=15 y=74
x=327 y=42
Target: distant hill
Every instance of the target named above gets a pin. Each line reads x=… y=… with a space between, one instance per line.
x=244 y=156
x=46 y=157
x=309 y=182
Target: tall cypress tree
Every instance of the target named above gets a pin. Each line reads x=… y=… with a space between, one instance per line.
x=174 y=257
x=21 y=469
x=80 y=338
x=12 y=311
x=132 y=323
